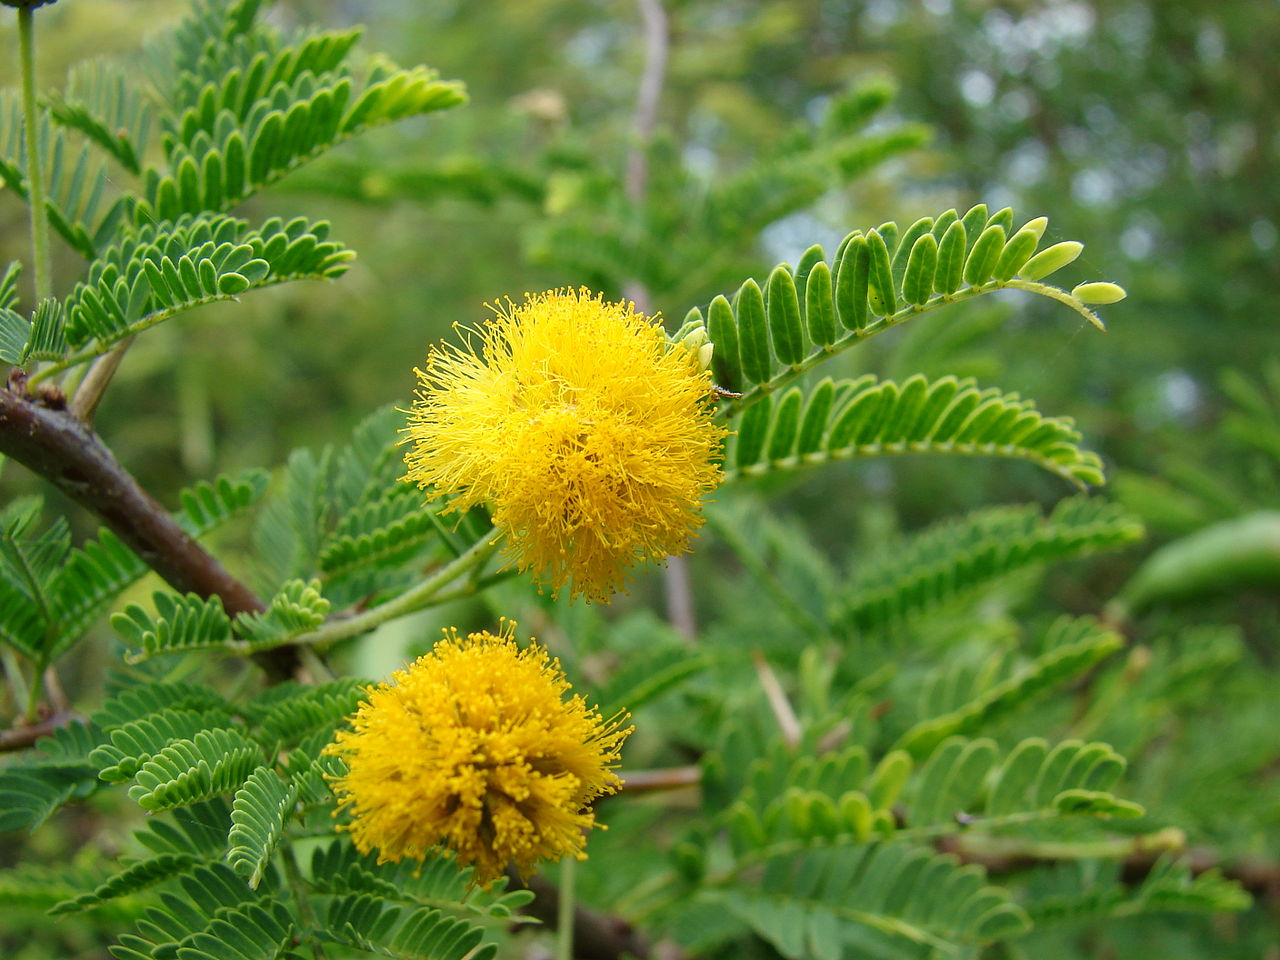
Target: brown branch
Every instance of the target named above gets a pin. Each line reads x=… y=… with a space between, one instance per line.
x=66 y=452
x=20 y=738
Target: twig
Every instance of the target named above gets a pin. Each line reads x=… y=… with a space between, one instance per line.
x=778 y=702
x=85 y=400
x=54 y=693
x=675 y=576
x=1256 y=875
x=656 y=44
x=670 y=778
x=679 y=590
x=71 y=456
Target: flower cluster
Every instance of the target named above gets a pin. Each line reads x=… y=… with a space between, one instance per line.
x=588 y=432
x=475 y=749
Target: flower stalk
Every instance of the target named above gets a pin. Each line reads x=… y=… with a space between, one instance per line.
x=564 y=910
x=35 y=172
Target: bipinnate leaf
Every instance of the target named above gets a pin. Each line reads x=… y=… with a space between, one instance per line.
x=959 y=557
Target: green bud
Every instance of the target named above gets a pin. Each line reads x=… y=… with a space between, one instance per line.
x=1099 y=292
x=693 y=332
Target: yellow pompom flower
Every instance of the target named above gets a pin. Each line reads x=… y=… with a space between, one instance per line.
x=473 y=748
x=587 y=431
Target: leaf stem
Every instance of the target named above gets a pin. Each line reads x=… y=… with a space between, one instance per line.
x=412 y=600
x=35 y=174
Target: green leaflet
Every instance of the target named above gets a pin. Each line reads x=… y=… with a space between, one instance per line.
x=645 y=678
x=786 y=329
x=296 y=608
x=788 y=802
x=135 y=877
x=181 y=623
x=154 y=272
x=80 y=203
x=295 y=713
x=338 y=868
x=878 y=279
x=185 y=623
x=217 y=914
x=374 y=924
x=249 y=109
x=946 y=416
x=101 y=103
x=132 y=744
x=211 y=763
x=753 y=336
x=1091 y=891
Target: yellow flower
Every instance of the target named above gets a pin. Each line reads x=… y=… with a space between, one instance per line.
x=474 y=748
x=588 y=432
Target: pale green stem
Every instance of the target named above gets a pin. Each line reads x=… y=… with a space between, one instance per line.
x=35 y=175
x=1169 y=839
x=564 y=911
x=33 y=697
x=412 y=600
x=318 y=669
x=85 y=400
x=1055 y=293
